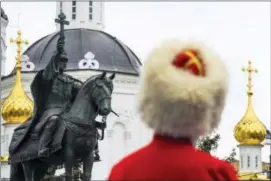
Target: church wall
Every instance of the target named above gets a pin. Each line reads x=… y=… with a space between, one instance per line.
x=265 y=166
x=250 y=159
x=8 y=131
x=4 y=140
x=5 y=171
x=82 y=12
x=4 y=24
x=123 y=134
x=6 y=134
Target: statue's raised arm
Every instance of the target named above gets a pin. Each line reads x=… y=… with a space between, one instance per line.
x=58 y=61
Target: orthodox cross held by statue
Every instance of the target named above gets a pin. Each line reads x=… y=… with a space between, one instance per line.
x=62 y=21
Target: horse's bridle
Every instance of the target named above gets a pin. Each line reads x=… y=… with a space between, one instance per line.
x=98 y=102
x=104 y=122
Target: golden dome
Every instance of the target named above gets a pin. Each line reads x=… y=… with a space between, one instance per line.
x=4 y=158
x=17 y=107
x=250 y=130
x=253 y=176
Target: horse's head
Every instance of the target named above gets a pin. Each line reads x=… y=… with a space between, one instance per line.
x=99 y=92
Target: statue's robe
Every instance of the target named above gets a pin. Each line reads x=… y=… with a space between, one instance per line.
x=46 y=82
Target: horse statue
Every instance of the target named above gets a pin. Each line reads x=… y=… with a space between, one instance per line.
x=79 y=135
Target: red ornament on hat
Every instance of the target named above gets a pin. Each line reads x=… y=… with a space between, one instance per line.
x=190 y=60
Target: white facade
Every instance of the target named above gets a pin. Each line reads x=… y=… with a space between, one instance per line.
x=4 y=24
x=250 y=158
x=267 y=142
x=82 y=14
x=6 y=133
x=123 y=135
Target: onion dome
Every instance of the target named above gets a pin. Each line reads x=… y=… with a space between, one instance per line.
x=250 y=130
x=253 y=176
x=17 y=107
x=86 y=49
x=4 y=158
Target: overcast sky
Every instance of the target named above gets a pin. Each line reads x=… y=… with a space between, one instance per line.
x=239 y=32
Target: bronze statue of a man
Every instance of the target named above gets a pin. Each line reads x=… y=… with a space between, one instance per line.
x=53 y=92
x=62 y=91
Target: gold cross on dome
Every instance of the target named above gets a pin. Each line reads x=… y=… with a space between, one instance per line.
x=19 y=42
x=250 y=70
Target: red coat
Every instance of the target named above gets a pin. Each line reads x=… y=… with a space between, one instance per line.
x=168 y=159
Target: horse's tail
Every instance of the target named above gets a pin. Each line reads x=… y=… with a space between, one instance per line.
x=16 y=172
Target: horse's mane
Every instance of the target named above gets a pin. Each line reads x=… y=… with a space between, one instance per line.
x=86 y=85
x=89 y=80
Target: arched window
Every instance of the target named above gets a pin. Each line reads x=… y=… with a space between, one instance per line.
x=90 y=11
x=73 y=10
x=248 y=161
x=256 y=161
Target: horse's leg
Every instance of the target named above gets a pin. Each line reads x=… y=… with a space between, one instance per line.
x=69 y=161
x=28 y=171
x=87 y=166
x=40 y=172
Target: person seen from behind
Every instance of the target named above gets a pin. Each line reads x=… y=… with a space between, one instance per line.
x=182 y=95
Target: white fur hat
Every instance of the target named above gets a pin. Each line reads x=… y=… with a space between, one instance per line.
x=183 y=89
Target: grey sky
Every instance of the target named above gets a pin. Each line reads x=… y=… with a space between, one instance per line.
x=239 y=31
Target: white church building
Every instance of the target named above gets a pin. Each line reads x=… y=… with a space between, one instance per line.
x=90 y=51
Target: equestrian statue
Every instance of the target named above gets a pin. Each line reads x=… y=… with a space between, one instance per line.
x=62 y=129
